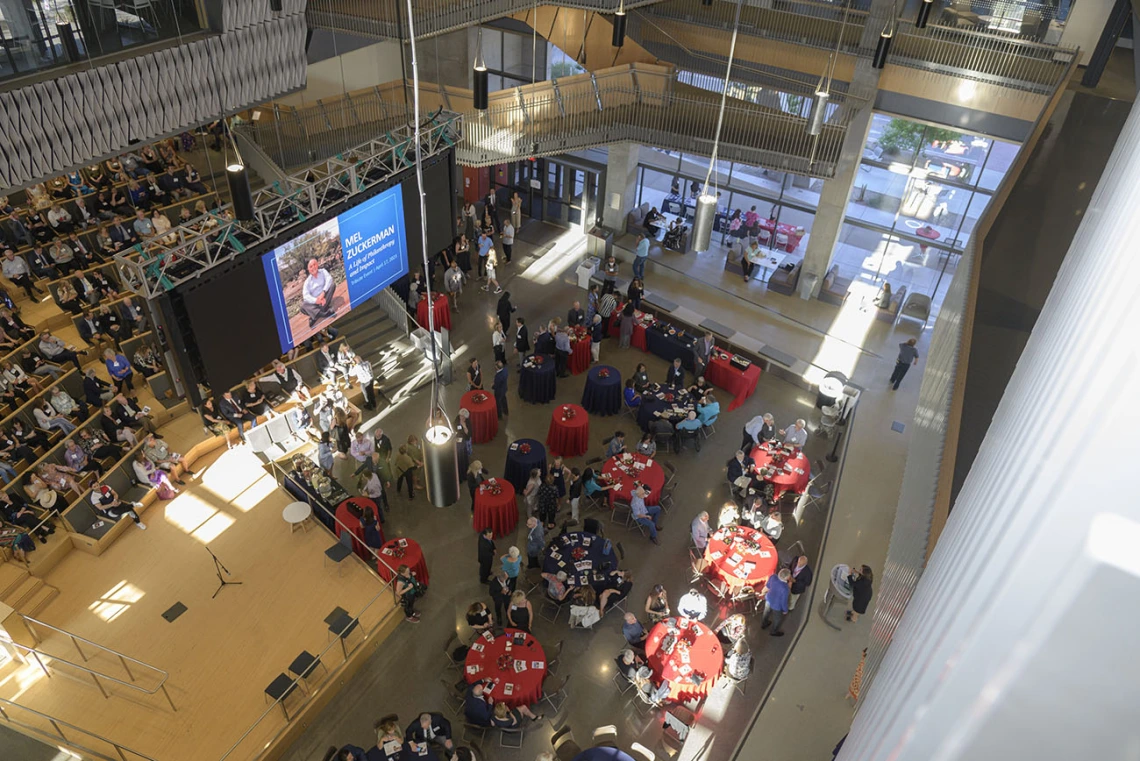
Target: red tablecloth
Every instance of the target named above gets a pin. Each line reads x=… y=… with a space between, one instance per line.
x=499 y=511
x=731 y=548
x=569 y=437
x=441 y=309
x=413 y=558
x=797 y=482
x=641 y=322
x=579 y=356
x=488 y=658
x=704 y=654
x=652 y=476
x=484 y=415
x=346 y=521
x=740 y=383
x=793 y=233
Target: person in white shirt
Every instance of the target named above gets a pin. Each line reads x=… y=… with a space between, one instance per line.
x=757 y=430
x=796 y=436
x=507 y=239
x=317 y=293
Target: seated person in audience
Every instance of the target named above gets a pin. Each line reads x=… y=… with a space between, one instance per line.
x=14 y=448
x=39 y=491
x=252 y=398
x=63 y=257
x=116 y=428
x=14 y=509
x=653 y=221
x=755 y=508
x=120 y=370
x=193 y=181
x=101 y=205
x=591 y=484
x=77 y=459
x=159 y=453
x=140 y=198
x=29 y=435
x=657 y=605
x=115 y=171
x=479 y=617
x=60 y=219
x=173 y=183
x=142 y=225
x=148 y=473
x=55 y=350
x=38 y=226
x=110 y=320
x=47 y=418
x=35 y=365
x=62 y=478
x=133 y=313
x=15 y=232
x=122 y=235
x=9 y=394
x=429 y=728
x=796 y=436
x=633 y=631
x=675 y=378
x=131 y=413
x=479 y=706
x=107 y=288
x=647 y=446
x=145 y=361
x=698 y=389
x=556 y=587
x=738 y=661
x=149 y=157
x=95 y=389
x=17 y=270
x=731 y=629
x=327 y=364
x=185 y=216
x=96 y=176
x=84 y=214
x=106 y=502
x=616 y=445
x=20 y=380
x=212 y=418
x=7 y=469
x=88 y=293
x=84 y=256
x=14 y=326
x=289 y=380
x=7 y=343
x=97 y=447
x=161 y=224
x=615 y=588
x=92 y=331
x=773 y=526
x=42 y=265
x=690 y=427
x=504 y=717
x=389 y=746
x=629 y=663
x=739 y=467
x=233 y=411
x=632 y=398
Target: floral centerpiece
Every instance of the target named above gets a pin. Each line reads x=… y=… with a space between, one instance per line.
x=603 y=373
x=578 y=553
x=505 y=661
x=524 y=448
x=478 y=397
x=491 y=488
x=568 y=412
x=539 y=359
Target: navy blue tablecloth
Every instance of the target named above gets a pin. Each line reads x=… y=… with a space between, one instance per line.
x=537 y=384
x=518 y=467
x=670 y=347
x=597 y=556
x=602 y=396
x=650 y=403
x=603 y=753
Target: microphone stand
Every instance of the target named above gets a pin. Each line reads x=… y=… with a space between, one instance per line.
x=219 y=569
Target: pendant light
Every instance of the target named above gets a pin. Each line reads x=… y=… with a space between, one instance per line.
x=441 y=458
x=275 y=6
x=924 y=9
x=705 y=217
x=883 y=46
x=237 y=178
x=818 y=112
x=619 y=26
x=480 y=75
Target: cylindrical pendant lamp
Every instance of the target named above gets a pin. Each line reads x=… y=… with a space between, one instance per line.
x=619 y=29
x=703 y=221
x=441 y=466
x=817 y=113
x=240 y=194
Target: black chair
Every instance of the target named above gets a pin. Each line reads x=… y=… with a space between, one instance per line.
x=554 y=691
x=304 y=665
x=280 y=689
x=342 y=626
x=337 y=554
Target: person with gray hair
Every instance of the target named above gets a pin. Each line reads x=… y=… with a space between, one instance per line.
x=700 y=530
x=775 y=596
x=796 y=436
x=758 y=430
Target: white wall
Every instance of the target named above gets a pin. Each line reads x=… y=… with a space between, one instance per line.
x=1084 y=25
x=365 y=67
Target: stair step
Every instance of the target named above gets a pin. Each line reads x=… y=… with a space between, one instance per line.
x=24 y=592
x=40 y=600
x=353 y=322
x=12 y=574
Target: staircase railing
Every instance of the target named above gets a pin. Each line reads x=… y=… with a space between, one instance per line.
x=9 y=710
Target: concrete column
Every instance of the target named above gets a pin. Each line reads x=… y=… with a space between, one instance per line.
x=621 y=185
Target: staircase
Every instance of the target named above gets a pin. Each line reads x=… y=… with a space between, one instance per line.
x=400 y=368
x=24 y=592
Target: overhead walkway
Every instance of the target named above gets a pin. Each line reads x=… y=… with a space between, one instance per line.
x=637 y=102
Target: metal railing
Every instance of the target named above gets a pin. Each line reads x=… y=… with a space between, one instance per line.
x=640 y=102
x=123 y=658
x=8 y=710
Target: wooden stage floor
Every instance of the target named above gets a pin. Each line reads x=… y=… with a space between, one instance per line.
x=221 y=653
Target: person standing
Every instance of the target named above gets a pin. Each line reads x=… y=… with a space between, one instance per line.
x=499 y=387
x=775 y=596
x=501 y=592
x=861 y=591
x=535 y=542
x=908 y=355
x=700 y=530
x=675 y=377
x=640 y=257
x=486 y=554
x=499 y=342
x=597 y=333
x=522 y=340
x=504 y=309
x=562 y=351
x=507 y=238
x=801 y=579
x=474 y=375
x=516 y=210
x=484 y=252
x=406 y=471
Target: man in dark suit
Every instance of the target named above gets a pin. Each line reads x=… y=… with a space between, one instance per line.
x=703 y=351
x=801 y=579
x=95 y=389
x=92 y=332
x=499 y=387
x=326 y=362
x=429 y=728
x=121 y=235
x=675 y=378
x=522 y=340
x=477 y=708
x=486 y=555
x=42 y=264
x=233 y=411
x=544 y=342
x=501 y=592
x=173 y=184
x=16 y=232
x=576 y=315
x=739 y=466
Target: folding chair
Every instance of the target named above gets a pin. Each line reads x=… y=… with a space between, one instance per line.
x=605 y=735
x=548 y=605
x=666 y=500
x=518 y=733
x=448 y=649
x=640 y=752
x=671 y=469
x=556 y=690
x=697 y=566
x=623 y=684
x=709 y=428
x=452 y=699
x=619 y=506
x=552 y=656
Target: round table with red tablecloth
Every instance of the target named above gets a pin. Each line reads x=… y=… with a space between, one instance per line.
x=652 y=476
x=790 y=476
x=741 y=556
x=441 y=312
x=697 y=652
x=579 y=355
x=489 y=658
x=484 y=415
x=412 y=557
x=498 y=511
x=723 y=374
x=569 y=433
x=346 y=521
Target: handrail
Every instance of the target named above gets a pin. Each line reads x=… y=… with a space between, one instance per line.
x=76 y=639
x=57 y=723
x=95 y=675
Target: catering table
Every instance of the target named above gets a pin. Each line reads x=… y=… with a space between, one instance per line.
x=670 y=347
x=412 y=556
x=514 y=661
x=652 y=476
x=793 y=233
x=741 y=556
x=346 y=521
x=658 y=398
x=441 y=312
x=569 y=433
x=583 y=556
x=495 y=507
x=723 y=374
x=579 y=350
x=693 y=666
x=523 y=456
x=641 y=322
x=796 y=478
x=603 y=753
x=537 y=381
x=484 y=415
x=602 y=395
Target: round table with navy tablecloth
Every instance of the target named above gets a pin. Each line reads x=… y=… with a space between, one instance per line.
x=537 y=381
x=602 y=396
x=603 y=753
x=670 y=347
x=581 y=555
x=496 y=511
x=569 y=433
x=657 y=398
x=520 y=463
x=484 y=415
x=441 y=312
x=412 y=557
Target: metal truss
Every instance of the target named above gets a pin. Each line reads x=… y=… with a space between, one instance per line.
x=203 y=243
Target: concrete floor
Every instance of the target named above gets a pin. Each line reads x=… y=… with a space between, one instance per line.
x=404 y=676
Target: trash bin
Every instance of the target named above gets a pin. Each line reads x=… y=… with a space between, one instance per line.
x=586 y=270
x=600 y=242
x=830 y=389
x=808 y=282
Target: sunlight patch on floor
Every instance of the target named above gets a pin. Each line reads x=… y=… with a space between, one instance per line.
x=566 y=251
x=116 y=601
x=839 y=350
